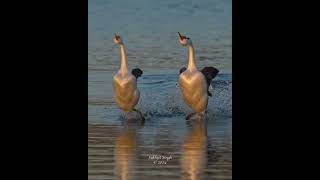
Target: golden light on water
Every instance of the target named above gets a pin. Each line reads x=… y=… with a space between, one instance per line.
x=124 y=154
x=194 y=150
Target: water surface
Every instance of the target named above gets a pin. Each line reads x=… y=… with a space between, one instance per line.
x=198 y=148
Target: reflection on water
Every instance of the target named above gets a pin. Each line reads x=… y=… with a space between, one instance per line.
x=125 y=150
x=119 y=147
x=124 y=153
x=194 y=151
x=193 y=157
x=118 y=150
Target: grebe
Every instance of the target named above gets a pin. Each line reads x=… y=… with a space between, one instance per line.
x=126 y=93
x=195 y=84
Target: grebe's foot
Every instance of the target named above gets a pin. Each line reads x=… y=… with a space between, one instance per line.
x=141 y=115
x=190 y=115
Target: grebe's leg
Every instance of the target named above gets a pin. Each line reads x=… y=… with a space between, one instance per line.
x=190 y=115
x=141 y=114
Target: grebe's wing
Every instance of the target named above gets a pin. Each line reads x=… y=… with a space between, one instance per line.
x=209 y=73
x=136 y=72
x=182 y=70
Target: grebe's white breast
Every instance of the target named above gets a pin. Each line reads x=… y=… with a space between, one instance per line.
x=126 y=93
x=194 y=90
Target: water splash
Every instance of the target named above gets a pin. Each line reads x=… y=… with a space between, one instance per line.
x=161 y=96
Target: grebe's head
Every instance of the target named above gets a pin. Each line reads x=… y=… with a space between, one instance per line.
x=117 y=39
x=184 y=41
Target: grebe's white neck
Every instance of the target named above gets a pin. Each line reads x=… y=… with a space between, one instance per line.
x=192 y=64
x=123 y=67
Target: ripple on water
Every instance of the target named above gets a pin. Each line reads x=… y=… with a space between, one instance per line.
x=117 y=148
x=120 y=150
